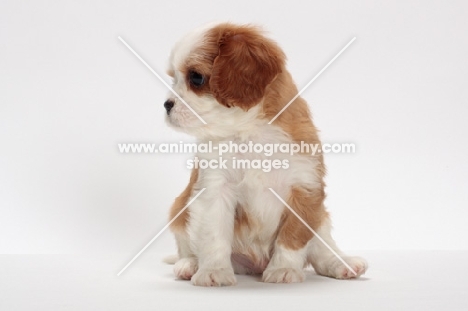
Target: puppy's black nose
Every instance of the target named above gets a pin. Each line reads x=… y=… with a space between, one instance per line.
x=168 y=105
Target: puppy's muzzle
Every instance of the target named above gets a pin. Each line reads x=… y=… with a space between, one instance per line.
x=168 y=105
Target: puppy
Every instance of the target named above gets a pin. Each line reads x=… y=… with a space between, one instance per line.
x=236 y=80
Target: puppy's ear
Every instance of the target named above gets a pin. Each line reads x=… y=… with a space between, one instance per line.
x=246 y=64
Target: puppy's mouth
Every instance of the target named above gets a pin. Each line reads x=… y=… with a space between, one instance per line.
x=169 y=107
x=171 y=121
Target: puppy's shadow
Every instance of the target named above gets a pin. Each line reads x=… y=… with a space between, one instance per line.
x=310 y=278
x=254 y=281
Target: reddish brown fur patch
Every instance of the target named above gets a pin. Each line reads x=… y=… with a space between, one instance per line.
x=245 y=64
x=241 y=221
x=296 y=121
x=308 y=204
x=180 y=202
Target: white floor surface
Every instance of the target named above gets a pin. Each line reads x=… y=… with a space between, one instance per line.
x=400 y=280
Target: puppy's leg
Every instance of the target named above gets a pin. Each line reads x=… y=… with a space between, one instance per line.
x=286 y=265
x=187 y=264
x=289 y=257
x=211 y=230
x=326 y=263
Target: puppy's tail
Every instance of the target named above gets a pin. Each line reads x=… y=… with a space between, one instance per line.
x=172 y=259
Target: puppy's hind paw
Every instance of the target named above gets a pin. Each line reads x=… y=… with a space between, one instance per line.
x=334 y=268
x=358 y=264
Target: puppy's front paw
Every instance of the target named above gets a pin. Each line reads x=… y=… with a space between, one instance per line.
x=185 y=268
x=283 y=275
x=214 y=277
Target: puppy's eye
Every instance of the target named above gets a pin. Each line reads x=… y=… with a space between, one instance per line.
x=196 y=79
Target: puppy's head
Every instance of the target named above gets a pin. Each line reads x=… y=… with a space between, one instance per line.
x=222 y=72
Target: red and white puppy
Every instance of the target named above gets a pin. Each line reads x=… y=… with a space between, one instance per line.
x=236 y=80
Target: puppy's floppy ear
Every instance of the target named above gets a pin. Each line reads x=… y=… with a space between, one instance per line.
x=246 y=64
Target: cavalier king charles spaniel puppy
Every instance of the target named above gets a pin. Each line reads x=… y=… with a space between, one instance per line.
x=236 y=80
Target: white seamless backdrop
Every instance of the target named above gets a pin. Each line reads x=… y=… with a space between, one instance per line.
x=70 y=91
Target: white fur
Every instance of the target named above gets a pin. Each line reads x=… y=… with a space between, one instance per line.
x=185 y=268
x=326 y=263
x=205 y=249
x=286 y=266
x=184 y=46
